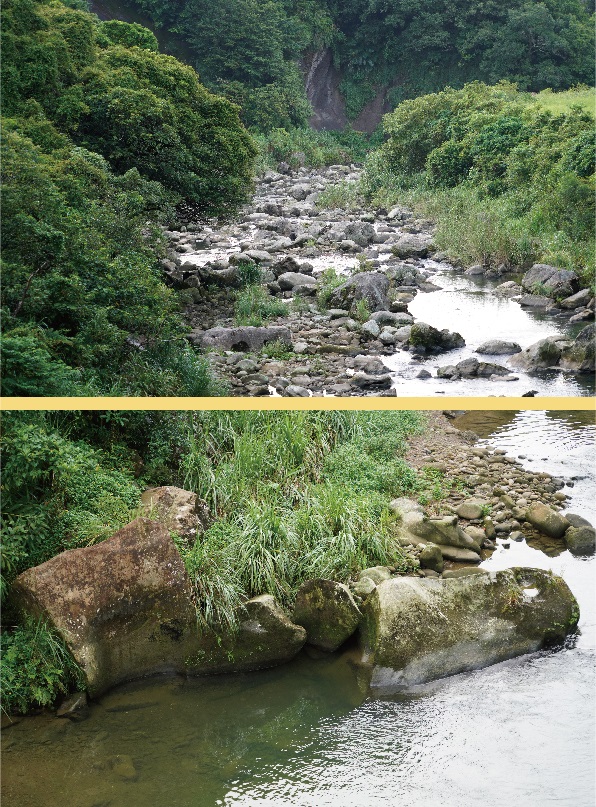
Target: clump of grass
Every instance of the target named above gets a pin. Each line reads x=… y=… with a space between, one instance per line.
x=36 y=667
x=329 y=280
x=249 y=273
x=342 y=196
x=277 y=350
x=255 y=306
x=361 y=311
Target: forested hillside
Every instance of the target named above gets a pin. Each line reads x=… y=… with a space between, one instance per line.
x=104 y=139
x=401 y=48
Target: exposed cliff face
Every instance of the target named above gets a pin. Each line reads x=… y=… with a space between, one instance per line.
x=322 y=81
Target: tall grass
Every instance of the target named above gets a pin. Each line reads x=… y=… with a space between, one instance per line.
x=255 y=306
x=296 y=495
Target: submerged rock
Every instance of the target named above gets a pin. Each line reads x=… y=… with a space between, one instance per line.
x=328 y=613
x=547 y=521
x=416 y=630
x=123 y=606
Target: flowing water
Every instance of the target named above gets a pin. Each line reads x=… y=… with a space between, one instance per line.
x=470 y=307
x=307 y=734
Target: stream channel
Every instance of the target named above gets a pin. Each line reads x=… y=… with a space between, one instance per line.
x=306 y=734
x=284 y=223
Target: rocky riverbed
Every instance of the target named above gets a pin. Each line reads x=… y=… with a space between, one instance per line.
x=351 y=332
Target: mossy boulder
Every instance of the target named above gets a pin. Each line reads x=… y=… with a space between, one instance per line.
x=123 y=606
x=328 y=613
x=431 y=557
x=547 y=521
x=580 y=356
x=416 y=630
x=581 y=540
x=181 y=511
x=265 y=638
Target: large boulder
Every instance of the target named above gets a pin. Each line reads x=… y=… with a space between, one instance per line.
x=289 y=280
x=181 y=511
x=444 y=530
x=369 y=286
x=244 y=338
x=416 y=630
x=498 y=347
x=580 y=355
x=426 y=337
x=581 y=540
x=328 y=613
x=413 y=245
x=123 y=606
x=547 y=521
x=542 y=355
x=359 y=231
x=549 y=280
x=265 y=638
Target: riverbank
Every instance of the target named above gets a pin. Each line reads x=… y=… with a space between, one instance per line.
x=311 y=293
x=305 y=731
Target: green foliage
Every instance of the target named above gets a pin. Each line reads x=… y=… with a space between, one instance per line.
x=249 y=273
x=329 y=280
x=361 y=311
x=36 y=667
x=57 y=493
x=342 y=196
x=105 y=85
x=512 y=182
x=255 y=306
x=307 y=147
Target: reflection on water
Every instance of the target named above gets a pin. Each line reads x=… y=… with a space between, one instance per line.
x=307 y=735
x=470 y=307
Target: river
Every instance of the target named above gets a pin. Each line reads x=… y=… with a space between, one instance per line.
x=307 y=735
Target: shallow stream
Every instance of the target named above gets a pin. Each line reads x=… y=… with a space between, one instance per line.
x=307 y=735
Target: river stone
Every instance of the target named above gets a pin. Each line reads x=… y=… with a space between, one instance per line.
x=403 y=506
x=122 y=766
x=443 y=530
x=265 y=638
x=425 y=336
x=457 y=554
x=465 y=571
x=363 y=587
x=578 y=300
x=244 y=338
x=580 y=355
x=369 y=286
x=539 y=356
x=547 y=521
x=581 y=540
x=371 y=329
x=577 y=521
x=362 y=233
x=181 y=511
x=327 y=611
x=498 y=347
x=376 y=573
x=290 y=280
x=412 y=245
x=75 y=707
x=471 y=508
x=122 y=606
x=550 y=280
x=361 y=379
x=416 y=630
x=431 y=558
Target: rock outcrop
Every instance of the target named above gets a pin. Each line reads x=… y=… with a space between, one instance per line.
x=417 y=630
x=181 y=511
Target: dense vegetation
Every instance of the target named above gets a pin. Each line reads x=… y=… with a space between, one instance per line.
x=104 y=139
x=248 y=49
x=292 y=495
x=507 y=180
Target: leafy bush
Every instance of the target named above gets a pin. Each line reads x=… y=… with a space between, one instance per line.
x=329 y=280
x=36 y=667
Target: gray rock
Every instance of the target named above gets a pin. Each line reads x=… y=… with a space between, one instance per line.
x=376 y=573
x=580 y=356
x=546 y=520
x=288 y=280
x=300 y=192
x=534 y=301
x=417 y=630
x=578 y=300
x=465 y=571
x=391 y=318
x=363 y=587
x=425 y=336
x=413 y=246
x=296 y=391
x=369 y=286
x=431 y=557
x=550 y=280
x=541 y=355
x=471 y=508
x=498 y=347
x=181 y=511
x=443 y=531
x=581 y=540
x=265 y=638
x=370 y=329
x=328 y=613
x=457 y=554
x=244 y=338
x=75 y=707
x=360 y=232
x=365 y=380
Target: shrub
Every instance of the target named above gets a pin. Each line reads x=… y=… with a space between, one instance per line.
x=255 y=306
